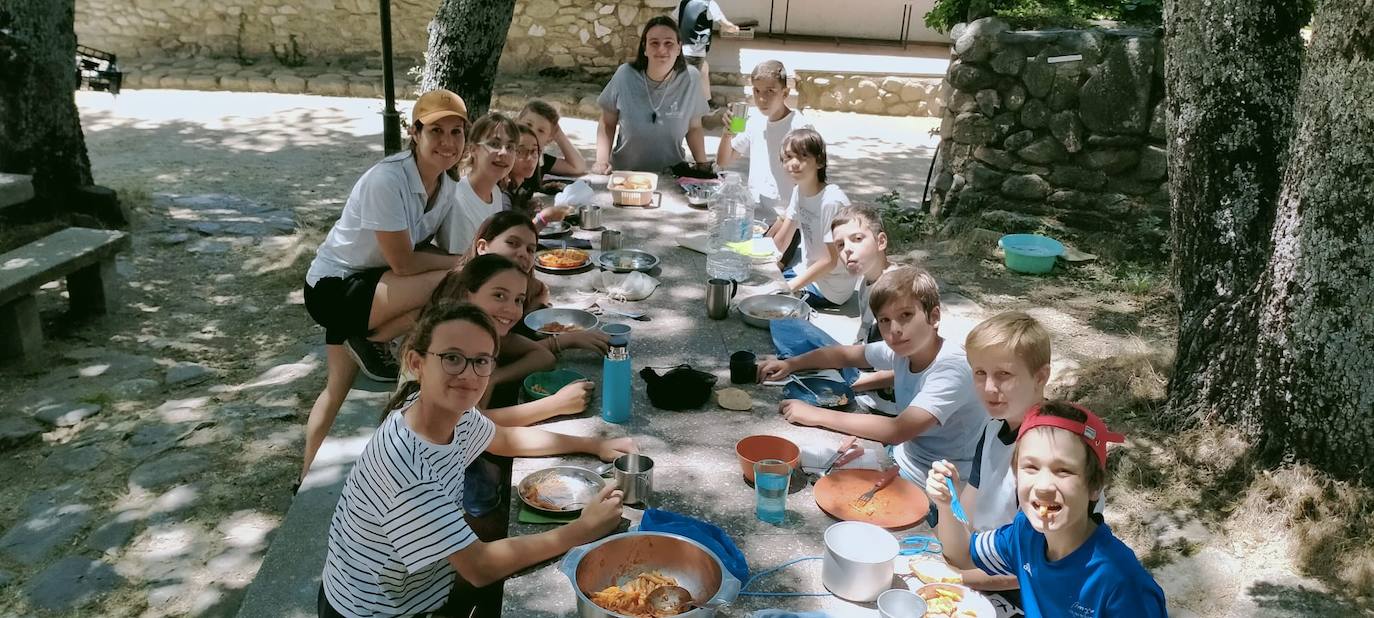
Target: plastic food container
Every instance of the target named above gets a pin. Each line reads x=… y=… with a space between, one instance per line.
x=1031 y=254
x=638 y=196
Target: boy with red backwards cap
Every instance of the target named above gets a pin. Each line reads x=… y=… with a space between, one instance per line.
x=1064 y=556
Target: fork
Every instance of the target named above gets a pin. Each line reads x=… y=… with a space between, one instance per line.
x=883 y=481
x=956 y=506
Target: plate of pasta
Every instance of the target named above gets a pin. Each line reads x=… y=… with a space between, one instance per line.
x=558 y=260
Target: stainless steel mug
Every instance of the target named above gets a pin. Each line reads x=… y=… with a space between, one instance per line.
x=718 y=295
x=635 y=476
x=610 y=240
x=591 y=217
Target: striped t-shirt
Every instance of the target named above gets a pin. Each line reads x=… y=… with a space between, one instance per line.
x=399 y=518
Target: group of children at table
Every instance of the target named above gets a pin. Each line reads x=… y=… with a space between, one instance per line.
x=447 y=261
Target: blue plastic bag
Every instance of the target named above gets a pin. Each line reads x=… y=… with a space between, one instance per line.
x=706 y=533
x=796 y=337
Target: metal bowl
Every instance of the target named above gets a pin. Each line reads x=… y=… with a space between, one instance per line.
x=554 y=229
x=573 y=320
x=565 y=489
x=760 y=310
x=617 y=559
x=626 y=260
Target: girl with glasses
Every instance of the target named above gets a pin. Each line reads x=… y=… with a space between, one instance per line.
x=490 y=154
x=399 y=541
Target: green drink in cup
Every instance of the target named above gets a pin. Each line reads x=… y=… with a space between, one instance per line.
x=738 y=114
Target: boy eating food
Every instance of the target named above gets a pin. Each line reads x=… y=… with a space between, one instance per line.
x=1065 y=558
x=940 y=417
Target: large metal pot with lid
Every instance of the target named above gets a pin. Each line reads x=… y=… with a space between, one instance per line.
x=617 y=559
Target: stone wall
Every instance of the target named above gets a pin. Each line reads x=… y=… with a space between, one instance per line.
x=887 y=95
x=590 y=34
x=1032 y=138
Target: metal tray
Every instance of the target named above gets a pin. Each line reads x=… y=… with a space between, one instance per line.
x=760 y=310
x=554 y=229
x=626 y=260
x=560 y=489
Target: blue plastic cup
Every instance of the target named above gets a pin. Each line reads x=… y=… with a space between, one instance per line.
x=771 y=477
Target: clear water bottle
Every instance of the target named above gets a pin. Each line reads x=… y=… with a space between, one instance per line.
x=732 y=219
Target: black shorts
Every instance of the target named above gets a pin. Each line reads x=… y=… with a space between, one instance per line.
x=343 y=306
x=695 y=61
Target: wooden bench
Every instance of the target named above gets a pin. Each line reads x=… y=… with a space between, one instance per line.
x=86 y=257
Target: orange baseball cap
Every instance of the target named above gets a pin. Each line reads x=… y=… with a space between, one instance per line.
x=437 y=104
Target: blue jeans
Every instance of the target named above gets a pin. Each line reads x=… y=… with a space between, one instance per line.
x=481 y=487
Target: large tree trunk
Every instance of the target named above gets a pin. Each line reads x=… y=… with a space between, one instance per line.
x=40 y=129
x=1315 y=378
x=1230 y=94
x=465 y=42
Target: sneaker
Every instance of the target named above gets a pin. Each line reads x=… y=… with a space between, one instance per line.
x=374 y=358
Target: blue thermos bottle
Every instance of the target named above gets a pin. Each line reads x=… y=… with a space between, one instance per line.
x=615 y=375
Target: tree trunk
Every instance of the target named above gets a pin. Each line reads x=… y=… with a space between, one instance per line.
x=1230 y=93
x=1315 y=378
x=40 y=128
x=465 y=42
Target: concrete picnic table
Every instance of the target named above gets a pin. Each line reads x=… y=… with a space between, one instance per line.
x=696 y=472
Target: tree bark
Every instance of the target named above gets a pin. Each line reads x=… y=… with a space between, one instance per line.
x=1315 y=378
x=465 y=42
x=40 y=128
x=1230 y=92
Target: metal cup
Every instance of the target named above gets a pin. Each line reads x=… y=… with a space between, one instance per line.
x=610 y=240
x=718 y=295
x=591 y=217
x=635 y=476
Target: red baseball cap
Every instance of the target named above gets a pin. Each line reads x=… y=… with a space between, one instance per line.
x=1093 y=431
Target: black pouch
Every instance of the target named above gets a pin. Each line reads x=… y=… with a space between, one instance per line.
x=681 y=388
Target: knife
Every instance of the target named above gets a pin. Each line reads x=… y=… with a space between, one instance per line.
x=845 y=445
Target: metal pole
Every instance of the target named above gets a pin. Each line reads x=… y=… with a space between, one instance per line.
x=391 y=119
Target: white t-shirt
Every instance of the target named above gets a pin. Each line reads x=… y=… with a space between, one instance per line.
x=866 y=318
x=389 y=197
x=992 y=475
x=400 y=517
x=713 y=13
x=813 y=216
x=468 y=213
x=762 y=142
x=945 y=390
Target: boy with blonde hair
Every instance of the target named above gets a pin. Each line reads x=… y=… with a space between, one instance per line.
x=940 y=418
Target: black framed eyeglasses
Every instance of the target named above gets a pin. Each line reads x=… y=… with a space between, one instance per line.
x=455 y=363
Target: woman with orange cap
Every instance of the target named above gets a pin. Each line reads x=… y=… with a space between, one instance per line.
x=367 y=282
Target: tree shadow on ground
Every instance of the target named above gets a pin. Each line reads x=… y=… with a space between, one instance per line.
x=1302 y=601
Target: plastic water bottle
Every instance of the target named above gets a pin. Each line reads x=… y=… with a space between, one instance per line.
x=732 y=220
x=615 y=375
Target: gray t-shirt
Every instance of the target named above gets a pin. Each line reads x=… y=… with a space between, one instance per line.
x=643 y=143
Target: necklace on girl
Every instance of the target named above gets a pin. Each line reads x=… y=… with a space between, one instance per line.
x=653 y=117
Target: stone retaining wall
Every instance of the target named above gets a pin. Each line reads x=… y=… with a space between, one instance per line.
x=1033 y=139
x=888 y=95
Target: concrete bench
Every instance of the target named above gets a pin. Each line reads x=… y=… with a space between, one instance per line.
x=15 y=189
x=84 y=256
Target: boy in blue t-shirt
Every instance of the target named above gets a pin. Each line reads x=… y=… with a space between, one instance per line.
x=1065 y=558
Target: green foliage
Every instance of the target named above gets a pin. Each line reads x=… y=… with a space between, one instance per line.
x=904 y=226
x=1045 y=13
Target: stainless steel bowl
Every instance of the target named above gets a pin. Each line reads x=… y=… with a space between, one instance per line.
x=576 y=319
x=759 y=310
x=554 y=229
x=617 y=559
x=575 y=488
x=626 y=260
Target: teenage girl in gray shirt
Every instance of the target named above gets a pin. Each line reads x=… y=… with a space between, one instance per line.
x=654 y=102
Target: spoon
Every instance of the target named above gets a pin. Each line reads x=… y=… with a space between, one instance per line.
x=674 y=600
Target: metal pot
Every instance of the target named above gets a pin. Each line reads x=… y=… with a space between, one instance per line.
x=760 y=310
x=858 y=560
x=619 y=558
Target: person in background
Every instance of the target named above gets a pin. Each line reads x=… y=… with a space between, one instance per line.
x=650 y=106
x=1062 y=554
x=519 y=186
x=695 y=19
x=544 y=120
x=399 y=541
x=824 y=283
x=367 y=282
x=761 y=142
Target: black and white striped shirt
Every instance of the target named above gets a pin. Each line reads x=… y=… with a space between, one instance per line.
x=399 y=518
